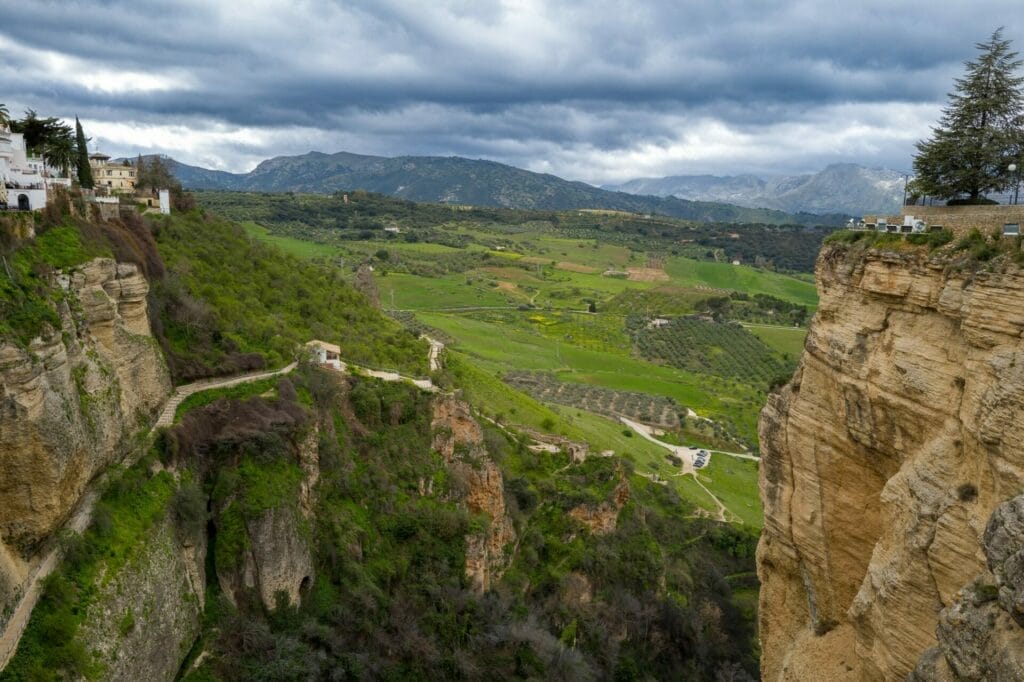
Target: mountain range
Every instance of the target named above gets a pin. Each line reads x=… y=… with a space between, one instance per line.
x=459 y=180
x=839 y=188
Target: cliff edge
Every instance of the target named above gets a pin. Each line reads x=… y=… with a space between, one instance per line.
x=70 y=405
x=884 y=457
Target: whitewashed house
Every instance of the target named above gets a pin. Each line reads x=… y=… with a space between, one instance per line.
x=323 y=353
x=23 y=183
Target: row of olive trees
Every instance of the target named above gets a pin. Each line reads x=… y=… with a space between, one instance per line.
x=63 y=148
x=981 y=132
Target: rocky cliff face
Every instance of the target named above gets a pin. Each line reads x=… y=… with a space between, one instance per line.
x=145 y=615
x=458 y=438
x=884 y=458
x=981 y=634
x=277 y=555
x=70 y=404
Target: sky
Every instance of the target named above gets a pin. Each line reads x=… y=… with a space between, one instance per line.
x=600 y=90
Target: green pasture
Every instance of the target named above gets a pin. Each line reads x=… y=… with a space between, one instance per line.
x=502 y=346
x=412 y=292
x=788 y=340
x=734 y=481
x=486 y=392
x=694 y=273
x=296 y=247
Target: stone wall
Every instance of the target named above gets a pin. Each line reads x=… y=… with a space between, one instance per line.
x=962 y=219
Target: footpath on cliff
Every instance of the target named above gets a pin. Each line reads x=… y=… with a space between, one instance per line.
x=15 y=626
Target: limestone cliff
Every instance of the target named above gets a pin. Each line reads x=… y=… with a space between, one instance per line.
x=147 y=613
x=883 y=459
x=70 y=404
x=981 y=634
x=458 y=438
x=602 y=519
x=277 y=554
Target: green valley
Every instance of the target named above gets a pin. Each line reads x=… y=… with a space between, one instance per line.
x=576 y=295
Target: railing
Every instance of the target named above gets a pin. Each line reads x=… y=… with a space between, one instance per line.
x=1006 y=198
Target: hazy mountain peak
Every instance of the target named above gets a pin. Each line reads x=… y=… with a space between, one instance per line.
x=838 y=188
x=478 y=182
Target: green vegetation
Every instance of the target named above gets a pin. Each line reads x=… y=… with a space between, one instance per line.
x=27 y=295
x=295 y=247
x=49 y=137
x=133 y=504
x=702 y=345
x=789 y=341
x=731 y=479
x=866 y=239
x=202 y=398
x=266 y=303
x=642 y=407
x=391 y=598
x=83 y=168
x=391 y=520
x=980 y=132
x=331 y=220
x=741 y=278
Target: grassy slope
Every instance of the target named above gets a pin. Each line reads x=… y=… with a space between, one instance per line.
x=295 y=247
x=784 y=340
x=410 y=292
x=269 y=302
x=496 y=399
x=741 y=278
x=26 y=299
x=500 y=347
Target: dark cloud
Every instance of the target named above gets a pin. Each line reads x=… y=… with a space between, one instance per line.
x=597 y=90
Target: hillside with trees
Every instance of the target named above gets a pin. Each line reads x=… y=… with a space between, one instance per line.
x=454 y=180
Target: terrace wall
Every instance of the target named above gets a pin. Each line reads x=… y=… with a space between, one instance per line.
x=962 y=219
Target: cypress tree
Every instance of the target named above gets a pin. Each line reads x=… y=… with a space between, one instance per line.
x=980 y=132
x=84 y=169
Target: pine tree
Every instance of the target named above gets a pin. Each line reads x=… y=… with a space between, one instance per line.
x=82 y=149
x=980 y=132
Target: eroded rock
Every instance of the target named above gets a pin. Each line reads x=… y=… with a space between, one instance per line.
x=459 y=440
x=71 y=403
x=884 y=457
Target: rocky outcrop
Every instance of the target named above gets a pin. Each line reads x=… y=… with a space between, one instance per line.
x=459 y=440
x=883 y=458
x=981 y=634
x=145 y=617
x=278 y=558
x=70 y=404
x=602 y=519
x=277 y=554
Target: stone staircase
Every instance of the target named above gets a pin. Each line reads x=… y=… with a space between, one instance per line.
x=182 y=392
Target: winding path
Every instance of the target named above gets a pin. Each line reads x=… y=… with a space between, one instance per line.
x=684 y=453
x=687 y=456
x=171 y=406
x=16 y=624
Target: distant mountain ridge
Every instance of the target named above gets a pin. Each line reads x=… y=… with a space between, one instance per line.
x=459 y=180
x=839 y=188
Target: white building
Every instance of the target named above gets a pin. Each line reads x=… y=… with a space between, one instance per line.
x=23 y=179
x=324 y=353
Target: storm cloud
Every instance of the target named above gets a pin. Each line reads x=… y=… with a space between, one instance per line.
x=600 y=91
